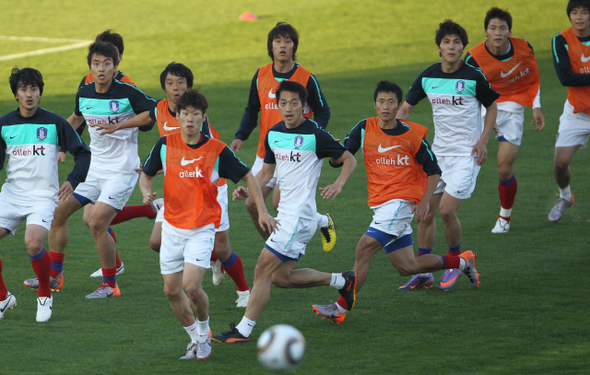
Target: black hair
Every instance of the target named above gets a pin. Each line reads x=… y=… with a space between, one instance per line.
x=192 y=98
x=386 y=86
x=500 y=14
x=448 y=27
x=178 y=70
x=292 y=86
x=285 y=30
x=105 y=49
x=26 y=77
x=108 y=36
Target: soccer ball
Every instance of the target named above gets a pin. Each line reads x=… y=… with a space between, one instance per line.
x=281 y=348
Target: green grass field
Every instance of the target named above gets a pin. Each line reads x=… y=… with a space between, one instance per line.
x=525 y=318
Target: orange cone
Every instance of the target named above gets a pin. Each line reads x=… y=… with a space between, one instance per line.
x=247 y=16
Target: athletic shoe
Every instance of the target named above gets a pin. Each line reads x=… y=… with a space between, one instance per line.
x=449 y=278
x=559 y=209
x=120 y=271
x=232 y=336
x=243 y=298
x=54 y=283
x=329 y=312
x=157 y=204
x=420 y=280
x=105 y=291
x=329 y=234
x=218 y=273
x=44 y=308
x=191 y=351
x=469 y=269
x=8 y=303
x=203 y=347
x=502 y=226
x=348 y=291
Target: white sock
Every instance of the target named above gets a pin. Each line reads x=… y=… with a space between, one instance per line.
x=337 y=281
x=246 y=326
x=462 y=264
x=203 y=327
x=505 y=212
x=192 y=331
x=565 y=193
x=322 y=221
x=341 y=309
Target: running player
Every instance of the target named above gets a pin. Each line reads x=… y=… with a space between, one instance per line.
x=295 y=148
x=192 y=162
x=402 y=174
x=456 y=92
x=571 y=49
x=175 y=80
x=282 y=43
x=30 y=138
x=509 y=64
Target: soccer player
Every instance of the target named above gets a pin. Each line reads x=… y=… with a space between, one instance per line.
x=456 y=92
x=30 y=138
x=402 y=174
x=193 y=162
x=282 y=43
x=571 y=49
x=112 y=175
x=295 y=148
x=509 y=64
x=175 y=80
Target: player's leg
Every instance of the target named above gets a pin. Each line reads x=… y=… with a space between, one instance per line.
x=156 y=237
x=120 y=265
x=253 y=211
x=507 y=186
x=35 y=236
x=232 y=264
x=7 y=300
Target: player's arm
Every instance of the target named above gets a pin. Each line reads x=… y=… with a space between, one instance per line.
x=265 y=220
x=427 y=159
x=414 y=95
x=250 y=118
x=481 y=146
x=538 y=117
x=152 y=165
x=141 y=120
x=561 y=62
x=353 y=140
x=348 y=163
x=76 y=120
x=70 y=141
x=404 y=112
x=469 y=60
x=317 y=102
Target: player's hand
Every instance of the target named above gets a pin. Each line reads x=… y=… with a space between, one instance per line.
x=538 y=119
x=482 y=153
x=61 y=157
x=139 y=169
x=149 y=197
x=421 y=210
x=331 y=191
x=240 y=193
x=236 y=145
x=65 y=192
x=268 y=223
x=106 y=128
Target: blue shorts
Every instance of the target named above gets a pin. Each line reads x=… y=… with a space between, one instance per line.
x=388 y=242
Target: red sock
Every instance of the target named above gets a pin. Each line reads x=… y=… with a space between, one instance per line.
x=112 y=233
x=213 y=257
x=42 y=268
x=342 y=302
x=3 y=290
x=236 y=272
x=451 y=261
x=109 y=276
x=131 y=212
x=507 y=190
x=57 y=263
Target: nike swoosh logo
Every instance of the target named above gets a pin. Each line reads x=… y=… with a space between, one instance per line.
x=169 y=129
x=442 y=283
x=13 y=136
x=271 y=95
x=6 y=306
x=385 y=149
x=504 y=75
x=187 y=162
x=585 y=59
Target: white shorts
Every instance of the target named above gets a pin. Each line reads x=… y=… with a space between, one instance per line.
x=257 y=167
x=574 y=128
x=223 y=201
x=510 y=126
x=459 y=175
x=393 y=217
x=180 y=246
x=292 y=235
x=113 y=190
x=12 y=215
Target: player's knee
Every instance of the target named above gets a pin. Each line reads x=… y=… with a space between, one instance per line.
x=172 y=293
x=279 y=281
x=448 y=214
x=34 y=246
x=193 y=292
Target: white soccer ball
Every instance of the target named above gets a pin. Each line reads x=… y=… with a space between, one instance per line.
x=281 y=348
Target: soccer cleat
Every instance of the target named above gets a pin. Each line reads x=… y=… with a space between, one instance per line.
x=218 y=273
x=8 y=303
x=329 y=312
x=120 y=271
x=469 y=269
x=420 y=280
x=105 y=291
x=44 y=308
x=157 y=204
x=329 y=234
x=502 y=225
x=449 y=278
x=348 y=291
x=559 y=209
x=232 y=336
x=243 y=298
x=203 y=347
x=55 y=284
x=191 y=351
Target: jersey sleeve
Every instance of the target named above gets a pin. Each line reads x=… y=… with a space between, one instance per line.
x=427 y=159
x=230 y=166
x=483 y=90
x=153 y=163
x=416 y=92
x=354 y=139
x=154 y=111
x=561 y=62
x=317 y=102
x=70 y=141
x=77 y=106
x=250 y=118
x=327 y=146
x=269 y=156
x=470 y=60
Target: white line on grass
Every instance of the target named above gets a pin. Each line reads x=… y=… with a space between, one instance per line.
x=76 y=44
